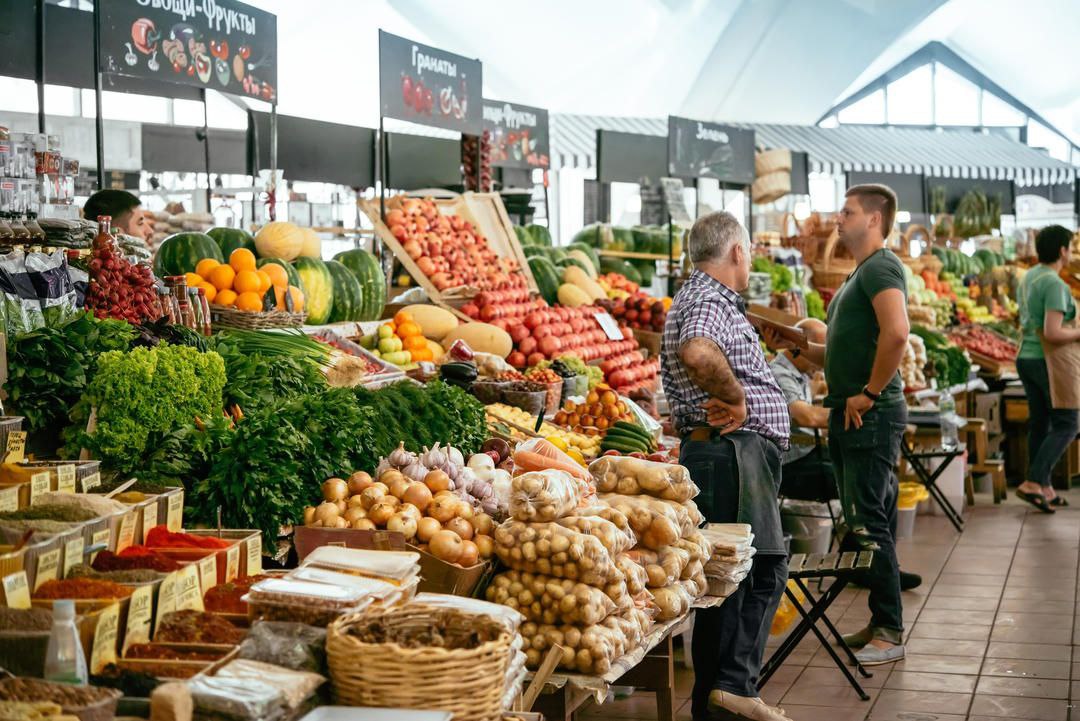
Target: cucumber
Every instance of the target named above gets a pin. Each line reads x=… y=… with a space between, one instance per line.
x=632 y=428
x=624 y=444
x=631 y=437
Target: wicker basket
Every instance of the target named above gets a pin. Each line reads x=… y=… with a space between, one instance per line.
x=767 y=188
x=469 y=681
x=829 y=271
x=221 y=317
x=773 y=161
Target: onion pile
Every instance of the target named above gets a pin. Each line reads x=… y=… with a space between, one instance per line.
x=471 y=482
x=119 y=288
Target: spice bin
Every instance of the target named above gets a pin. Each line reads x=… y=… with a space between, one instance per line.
x=237 y=551
x=88 y=703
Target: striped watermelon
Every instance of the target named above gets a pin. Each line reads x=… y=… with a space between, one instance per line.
x=348 y=296
x=547 y=278
x=318 y=289
x=366 y=268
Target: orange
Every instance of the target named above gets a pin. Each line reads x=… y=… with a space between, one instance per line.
x=210 y=290
x=193 y=280
x=249 y=301
x=225 y=297
x=414 y=343
x=242 y=259
x=278 y=277
x=407 y=329
x=297 y=298
x=264 y=280
x=204 y=267
x=402 y=316
x=247 y=281
x=222 y=277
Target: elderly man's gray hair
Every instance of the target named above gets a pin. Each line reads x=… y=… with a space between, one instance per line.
x=712 y=236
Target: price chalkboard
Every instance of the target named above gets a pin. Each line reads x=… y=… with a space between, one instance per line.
x=697 y=149
x=222 y=45
x=518 y=135
x=429 y=86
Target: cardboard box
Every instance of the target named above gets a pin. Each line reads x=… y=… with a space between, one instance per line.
x=988 y=406
x=438 y=576
x=307 y=539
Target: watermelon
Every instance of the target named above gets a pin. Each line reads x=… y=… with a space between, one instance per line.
x=294 y=277
x=556 y=254
x=365 y=267
x=568 y=261
x=318 y=289
x=539 y=234
x=621 y=239
x=547 y=278
x=523 y=236
x=588 y=250
x=647 y=269
x=181 y=252
x=348 y=295
x=620 y=266
x=229 y=239
x=534 y=251
x=595 y=235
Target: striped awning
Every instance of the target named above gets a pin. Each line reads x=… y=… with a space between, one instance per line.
x=892 y=149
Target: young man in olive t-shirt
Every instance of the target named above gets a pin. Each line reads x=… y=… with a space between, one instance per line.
x=866 y=339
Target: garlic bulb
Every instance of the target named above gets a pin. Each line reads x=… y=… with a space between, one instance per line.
x=400 y=457
x=415 y=471
x=434 y=457
x=455 y=456
x=384 y=465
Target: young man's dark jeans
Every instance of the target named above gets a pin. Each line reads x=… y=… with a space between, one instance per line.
x=865 y=461
x=729 y=640
x=1050 y=430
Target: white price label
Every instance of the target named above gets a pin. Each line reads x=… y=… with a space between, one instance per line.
x=65 y=478
x=39 y=485
x=609 y=326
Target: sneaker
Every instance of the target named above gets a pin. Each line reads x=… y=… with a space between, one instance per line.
x=859 y=638
x=742 y=708
x=874 y=656
x=909 y=581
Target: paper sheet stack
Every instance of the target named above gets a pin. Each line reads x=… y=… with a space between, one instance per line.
x=732 y=556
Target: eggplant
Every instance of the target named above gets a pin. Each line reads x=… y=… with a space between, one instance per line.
x=458 y=373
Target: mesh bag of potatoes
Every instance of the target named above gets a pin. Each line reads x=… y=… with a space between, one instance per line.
x=543 y=495
x=590 y=649
x=553 y=550
x=548 y=600
x=636 y=578
x=671 y=601
x=663 y=567
x=635 y=476
x=657 y=523
x=609 y=526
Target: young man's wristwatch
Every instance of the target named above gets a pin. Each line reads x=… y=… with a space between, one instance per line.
x=870 y=394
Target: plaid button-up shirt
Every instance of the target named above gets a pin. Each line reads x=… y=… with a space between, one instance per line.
x=706 y=308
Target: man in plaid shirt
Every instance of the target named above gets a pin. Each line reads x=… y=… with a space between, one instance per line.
x=733 y=420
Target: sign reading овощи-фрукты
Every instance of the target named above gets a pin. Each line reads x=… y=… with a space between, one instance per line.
x=518 y=135
x=429 y=86
x=222 y=45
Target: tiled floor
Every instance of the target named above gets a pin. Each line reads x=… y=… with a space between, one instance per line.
x=993 y=632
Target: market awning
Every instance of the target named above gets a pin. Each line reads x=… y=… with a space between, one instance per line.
x=941 y=153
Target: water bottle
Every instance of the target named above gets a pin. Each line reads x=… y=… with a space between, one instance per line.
x=64 y=659
x=950 y=439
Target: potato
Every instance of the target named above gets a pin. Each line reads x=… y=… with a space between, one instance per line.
x=634 y=476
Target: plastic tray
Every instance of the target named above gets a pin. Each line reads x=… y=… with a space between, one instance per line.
x=396 y=567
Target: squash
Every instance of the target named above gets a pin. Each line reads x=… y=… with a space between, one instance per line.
x=434 y=322
x=437 y=351
x=312 y=247
x=581 y=257
x=279 y=239
x=572 y=296
x=482 y=338
x=576 y=276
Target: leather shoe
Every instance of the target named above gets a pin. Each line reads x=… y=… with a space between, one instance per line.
x=742 y=708
x=859 y=638
x=909 y=581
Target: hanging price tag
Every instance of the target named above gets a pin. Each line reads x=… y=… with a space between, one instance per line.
x=166 y=602
x=17 y=590
x=188 y=592
x=65 y=478
x=91 y=481
x=208 y=573
x=104 y=651
x=254 y=556
x=48 y=565
x=126 y=535
x=39 y=485
x=9 y=499
x=609 y=326
x=149 y=518
x=175 y=516
x=232 y=565
x=140 y=610
x=16 y=447
x=73 y=553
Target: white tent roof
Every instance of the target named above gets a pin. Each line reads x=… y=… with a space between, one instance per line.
x=731 y=60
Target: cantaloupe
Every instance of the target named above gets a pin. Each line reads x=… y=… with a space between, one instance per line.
x=576 y=276
x=482 y=338
x=434 y=322
x=572 y=296
x=279 y=239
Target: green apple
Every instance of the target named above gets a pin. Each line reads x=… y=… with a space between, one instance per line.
x=390 y=345
x=386 y=331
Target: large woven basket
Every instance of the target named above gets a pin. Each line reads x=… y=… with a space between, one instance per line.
x=770 y=187
x=830 y=271
x=772 y=161
x=414 y=665
x=221 y=317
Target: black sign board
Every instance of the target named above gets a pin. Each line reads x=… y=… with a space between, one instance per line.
x=416 y=162
x=178 y=148
x=800 y=173
x=518 y=135
x=429 y=86
x=222 y=45
x=313 y=150
x=909 y=188
x=956 y=188
x=697 y=149
x=630 y=157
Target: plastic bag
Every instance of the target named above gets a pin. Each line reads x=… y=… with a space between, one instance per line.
x=725 y=571
x=234 y=698
x=544 y=599
x=586 y=649
x=538 y=454
x=615 y=540
x=636 y=476
x=504 y=614
x=543 y=496
x=296 y=685
x=292 y=645
x=663 y=567
x=695 y=544
x=36 y=290
x=552 y=550
x=728 y=540
x=657 y=523
x=694 y=518
x=634 y=573
x=671 y=602
x=786 y=613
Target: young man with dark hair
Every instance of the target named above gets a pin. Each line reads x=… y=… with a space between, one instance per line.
x=1046 y=307
x=124 y=209
x=866 y=339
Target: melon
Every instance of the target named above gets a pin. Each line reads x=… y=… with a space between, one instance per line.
x=280 y=239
